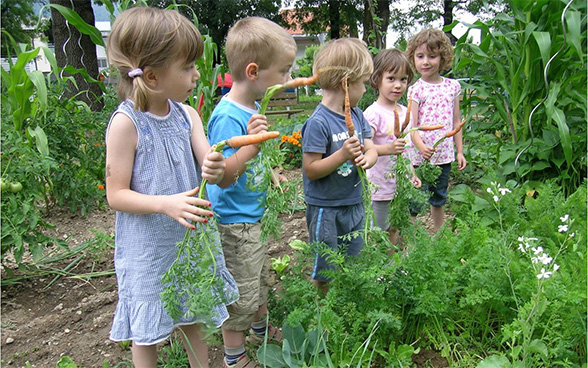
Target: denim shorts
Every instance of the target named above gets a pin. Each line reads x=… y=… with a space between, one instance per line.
x=439 y=191
x=327 y=225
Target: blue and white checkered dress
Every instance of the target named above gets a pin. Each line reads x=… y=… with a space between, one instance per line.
x=146 y=244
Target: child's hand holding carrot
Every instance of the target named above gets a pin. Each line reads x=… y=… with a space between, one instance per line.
x=427 y=151
x=184 y=207
x=257 y=124
x=396 y=147
x=213 y=167
x=351 y=149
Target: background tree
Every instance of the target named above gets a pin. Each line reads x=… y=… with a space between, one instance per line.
x=426 y=12
x=375 y=22
x=215 y=17
x=17 y=17
x=337 y=18
x=78 y=51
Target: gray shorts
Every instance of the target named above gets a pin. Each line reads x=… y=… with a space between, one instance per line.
x=327 y=225
x=381 y=210
x=246 y=259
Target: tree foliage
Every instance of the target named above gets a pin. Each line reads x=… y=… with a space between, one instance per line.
x=215 y=17
x=17 y=16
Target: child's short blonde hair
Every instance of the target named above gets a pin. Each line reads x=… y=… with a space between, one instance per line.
x=255 y=40
x=340 y=59
x=144 y=37
x=391 y=61
x=437 y=41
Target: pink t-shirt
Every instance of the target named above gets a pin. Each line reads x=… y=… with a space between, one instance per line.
x=381 y=174
x=436 y=102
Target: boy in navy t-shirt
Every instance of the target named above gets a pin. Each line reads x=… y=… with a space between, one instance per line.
x=332 y=186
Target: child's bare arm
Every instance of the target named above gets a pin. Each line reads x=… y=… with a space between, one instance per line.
x=120 y=154
x=316 y=167
x=237 y=163
x=458 y=138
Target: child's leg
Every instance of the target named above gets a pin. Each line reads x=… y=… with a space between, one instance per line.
x=438 y=215
x=196 y=348
x=144 y=356
x=439 y=197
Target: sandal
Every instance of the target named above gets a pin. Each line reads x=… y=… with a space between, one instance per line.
x=274 y=334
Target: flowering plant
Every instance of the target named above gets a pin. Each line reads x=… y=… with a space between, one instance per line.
x=291 y=145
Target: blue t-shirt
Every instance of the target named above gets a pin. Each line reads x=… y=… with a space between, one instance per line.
x=236 y=203
x=325 y=132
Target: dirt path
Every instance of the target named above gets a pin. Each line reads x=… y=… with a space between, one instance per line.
x=73 y=316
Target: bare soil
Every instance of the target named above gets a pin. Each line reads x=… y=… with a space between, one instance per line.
x=72 y=316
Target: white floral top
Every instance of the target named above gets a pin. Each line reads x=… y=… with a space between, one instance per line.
x=435 y=103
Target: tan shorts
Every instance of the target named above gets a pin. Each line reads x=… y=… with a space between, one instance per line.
x=246 y=259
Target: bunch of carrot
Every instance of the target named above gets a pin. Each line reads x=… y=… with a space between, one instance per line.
x=191 y=280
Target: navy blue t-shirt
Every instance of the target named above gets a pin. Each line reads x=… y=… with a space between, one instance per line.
x=325 y=132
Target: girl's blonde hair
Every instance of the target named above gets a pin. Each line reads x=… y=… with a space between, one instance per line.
x=340 y=59
x=255 y=40
x=390 y=61
x=143 y=37
x=437 y=41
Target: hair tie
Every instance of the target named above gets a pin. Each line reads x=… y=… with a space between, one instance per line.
x=135 y=73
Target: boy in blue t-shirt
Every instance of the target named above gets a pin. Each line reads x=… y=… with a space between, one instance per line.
x=260 y=54
x=332 y=186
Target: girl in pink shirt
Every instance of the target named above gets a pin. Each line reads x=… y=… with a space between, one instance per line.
x=435 y=101
x=392 y=74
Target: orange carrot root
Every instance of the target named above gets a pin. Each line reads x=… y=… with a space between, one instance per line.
x=348 y=120
x=456 y=130
x=431 y=127
x=301 y=81
x=245 y=140
x=407 y=117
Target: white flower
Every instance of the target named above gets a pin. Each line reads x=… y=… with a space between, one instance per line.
x=521 y=238
x=521 y=248
x=545 y=259
x=489 y=190
x=532 y=239
x=537 y=250
x=544 y=274
x=534 y=260
x=555 y=267
x=503 y=191
x=495 y=198
x=565 y=218
x=562 y=228
x=572 y=235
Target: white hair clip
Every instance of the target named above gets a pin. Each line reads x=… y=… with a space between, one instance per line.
x=135 y=73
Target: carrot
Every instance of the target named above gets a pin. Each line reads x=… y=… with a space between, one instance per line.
x=456 y=130
x=396 y=123
x=348 y=120
x=430 y=127
x=245 y=140
x=407 y=117
x=301 y=81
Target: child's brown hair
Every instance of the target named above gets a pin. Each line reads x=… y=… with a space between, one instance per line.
x=340 y=59
x=144 y=37
x=390 y=61
x=255 y=40
x=436 y=41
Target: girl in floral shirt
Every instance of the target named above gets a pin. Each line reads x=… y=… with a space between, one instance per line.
x=435 y=102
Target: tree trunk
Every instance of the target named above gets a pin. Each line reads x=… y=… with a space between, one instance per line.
x=77 y=50
x=375 y=30
x=334 y=19
x=448 y=6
